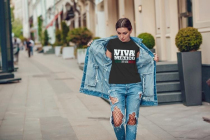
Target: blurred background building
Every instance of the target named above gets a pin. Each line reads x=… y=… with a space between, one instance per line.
x=161 y=18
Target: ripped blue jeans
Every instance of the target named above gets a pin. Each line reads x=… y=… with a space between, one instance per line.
x=125 y=97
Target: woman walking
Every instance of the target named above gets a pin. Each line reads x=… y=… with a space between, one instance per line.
x=130 y=68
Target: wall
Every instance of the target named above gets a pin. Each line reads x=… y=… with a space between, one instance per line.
x=145 y=20
x=100 y=20
x=201 y=20
x=26 y=32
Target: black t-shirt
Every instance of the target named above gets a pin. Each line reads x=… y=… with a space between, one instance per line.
x=28 y=44
x=124 y=70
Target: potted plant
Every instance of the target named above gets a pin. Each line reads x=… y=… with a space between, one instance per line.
x=188 y=41
x=96 y=38
x=46 y=44
x=67 y=50
x=80 y=36
x=148 y=40
x=58 y=42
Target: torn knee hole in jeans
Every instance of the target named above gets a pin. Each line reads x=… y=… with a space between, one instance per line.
x=117 y=116
x=113 y=99
x=132 y=119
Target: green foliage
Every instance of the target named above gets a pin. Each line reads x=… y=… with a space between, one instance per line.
x=46 y=38
x=96 y=38
x=188 y=39
x=148 y=40
x=65 y=30
x=40 y=21
x=23 y=38
x=12 y=14
x=17 y=28
x=58 y=40
x=79 y=36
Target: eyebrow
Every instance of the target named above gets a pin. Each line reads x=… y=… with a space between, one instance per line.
x=122 y=32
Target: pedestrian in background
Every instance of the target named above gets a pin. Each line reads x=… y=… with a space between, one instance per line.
x=126 y=87
x=28 y=47
x=32 y=46
x=16 y=50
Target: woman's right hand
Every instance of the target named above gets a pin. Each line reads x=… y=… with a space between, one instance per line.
x=89 y=43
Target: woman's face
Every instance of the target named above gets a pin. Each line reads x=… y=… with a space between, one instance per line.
x=124 y=34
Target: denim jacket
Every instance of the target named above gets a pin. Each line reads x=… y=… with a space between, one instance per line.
x=95 y=80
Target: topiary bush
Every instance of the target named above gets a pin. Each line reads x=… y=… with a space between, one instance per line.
x=96 y=38
x=40 y=22
x=188 y=39
x=58 y=40
x=148 y=40
x=79 y=36
x=65 y=30
x=46 y=38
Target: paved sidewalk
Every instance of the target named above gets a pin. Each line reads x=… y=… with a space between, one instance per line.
x=47 y=105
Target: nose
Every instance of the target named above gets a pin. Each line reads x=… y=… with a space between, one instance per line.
x=121 y=36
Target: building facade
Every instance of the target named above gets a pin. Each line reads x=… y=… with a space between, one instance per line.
x=18 y=12
x=161 y=18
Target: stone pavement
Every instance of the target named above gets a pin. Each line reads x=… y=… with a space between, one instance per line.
x=47 y=105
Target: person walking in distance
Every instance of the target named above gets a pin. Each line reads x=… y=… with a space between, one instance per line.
x=16 y=50
x=127 y=74
x=32 y=46
x=28 y=47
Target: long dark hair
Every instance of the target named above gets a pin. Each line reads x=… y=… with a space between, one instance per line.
x=123 y=22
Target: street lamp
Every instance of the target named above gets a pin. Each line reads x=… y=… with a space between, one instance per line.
x=50 y=11
x=68 y=6
x=140 y=8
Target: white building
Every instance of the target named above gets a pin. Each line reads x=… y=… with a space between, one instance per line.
x=18 y=12
x=55 y=11
x=161 y=18
x=26 y=31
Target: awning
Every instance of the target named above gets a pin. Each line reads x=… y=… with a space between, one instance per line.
x=51 y=23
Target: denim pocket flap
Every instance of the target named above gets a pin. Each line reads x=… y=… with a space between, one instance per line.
x=91 y=74
x=147 y=84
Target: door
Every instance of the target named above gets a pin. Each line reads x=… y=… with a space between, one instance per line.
x=185 y=13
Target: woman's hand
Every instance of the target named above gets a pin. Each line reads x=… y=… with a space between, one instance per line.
x=89 y=43
x=156 y=58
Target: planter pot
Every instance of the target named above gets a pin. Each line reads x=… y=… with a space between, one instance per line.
x=81 y=55
x=46 y=48
x=58 y=50
x=189 y=65
x=205 y=78
x=152 y=50
x=68 y=52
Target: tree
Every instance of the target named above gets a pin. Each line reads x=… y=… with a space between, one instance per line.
x=12 y=14
x=40 y=21
x=17 y=28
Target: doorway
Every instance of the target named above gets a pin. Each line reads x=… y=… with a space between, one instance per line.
x=185 y=13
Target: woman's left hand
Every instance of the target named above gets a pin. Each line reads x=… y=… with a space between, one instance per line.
x=156 y=58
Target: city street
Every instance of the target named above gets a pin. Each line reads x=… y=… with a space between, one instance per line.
x=46 y=105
